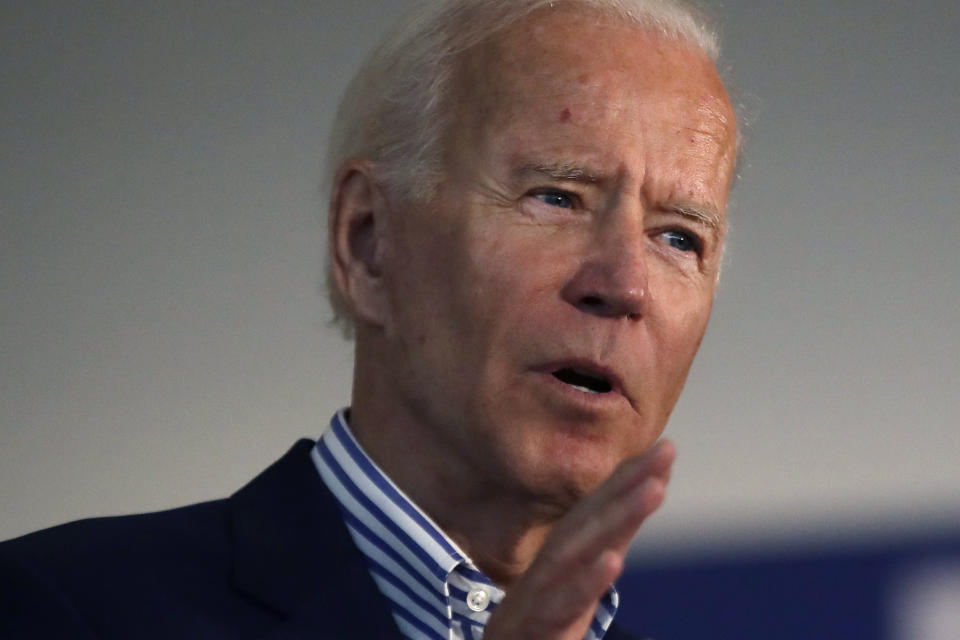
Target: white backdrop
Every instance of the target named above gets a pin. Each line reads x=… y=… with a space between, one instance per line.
x=163 y=334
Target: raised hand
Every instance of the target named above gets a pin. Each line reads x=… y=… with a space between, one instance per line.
x=558 y=595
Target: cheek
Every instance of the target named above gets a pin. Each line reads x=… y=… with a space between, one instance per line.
x=422 y=299
x=453 y=295
x=681 y=323
x=516 y=275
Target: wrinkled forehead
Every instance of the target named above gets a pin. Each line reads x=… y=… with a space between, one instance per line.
x=556 y=55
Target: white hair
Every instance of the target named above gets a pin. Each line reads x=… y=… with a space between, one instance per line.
x=393 y=111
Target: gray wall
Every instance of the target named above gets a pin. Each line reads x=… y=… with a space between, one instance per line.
x=163 y=336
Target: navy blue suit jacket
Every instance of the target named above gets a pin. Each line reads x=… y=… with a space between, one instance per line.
x=273 y=561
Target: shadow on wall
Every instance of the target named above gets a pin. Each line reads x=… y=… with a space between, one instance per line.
x=903 y=590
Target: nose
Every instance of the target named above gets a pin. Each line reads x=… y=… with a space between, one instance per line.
x=611 y=282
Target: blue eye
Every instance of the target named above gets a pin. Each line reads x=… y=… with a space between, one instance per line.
x=556 y=199
x=682 y=241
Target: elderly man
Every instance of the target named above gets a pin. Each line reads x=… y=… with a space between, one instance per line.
x=526 y=227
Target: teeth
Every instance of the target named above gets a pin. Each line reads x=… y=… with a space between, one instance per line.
x=583 y=381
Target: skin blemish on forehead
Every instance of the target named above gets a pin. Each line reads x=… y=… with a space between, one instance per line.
x=565 y=115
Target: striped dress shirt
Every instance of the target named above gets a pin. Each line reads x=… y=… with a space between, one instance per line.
x=434 y=590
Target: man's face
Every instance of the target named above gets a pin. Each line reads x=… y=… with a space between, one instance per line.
x=547 y=303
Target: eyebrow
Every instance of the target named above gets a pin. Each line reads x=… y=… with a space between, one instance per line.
x=561 y=171
x=704 y=214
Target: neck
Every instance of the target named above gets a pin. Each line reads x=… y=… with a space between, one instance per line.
x=500 y=530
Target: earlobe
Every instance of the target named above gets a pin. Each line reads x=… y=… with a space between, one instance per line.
x=357 y=218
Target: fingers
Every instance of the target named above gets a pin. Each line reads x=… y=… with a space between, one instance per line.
x=547 y=609
x=610 y=517
x=557 y=597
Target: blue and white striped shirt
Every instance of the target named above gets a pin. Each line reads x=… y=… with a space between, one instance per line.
x=434 y=590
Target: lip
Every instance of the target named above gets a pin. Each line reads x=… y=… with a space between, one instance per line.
x=615 y=395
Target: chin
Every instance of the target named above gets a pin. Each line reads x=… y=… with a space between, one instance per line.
x=561 y=468
x=553 y=451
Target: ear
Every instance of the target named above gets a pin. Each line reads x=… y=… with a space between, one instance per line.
x=357 y=221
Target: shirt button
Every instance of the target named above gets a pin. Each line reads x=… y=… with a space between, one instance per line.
x=478 y=599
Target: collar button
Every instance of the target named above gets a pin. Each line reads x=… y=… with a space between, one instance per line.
x=478 y=599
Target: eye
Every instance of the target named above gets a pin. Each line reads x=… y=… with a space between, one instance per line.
x=682 y=240
x=556 y=198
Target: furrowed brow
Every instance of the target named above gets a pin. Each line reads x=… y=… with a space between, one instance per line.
x=703 y=214
x=560 y=171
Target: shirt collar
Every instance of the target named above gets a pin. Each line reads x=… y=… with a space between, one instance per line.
x=430 y=582
x=378 y=493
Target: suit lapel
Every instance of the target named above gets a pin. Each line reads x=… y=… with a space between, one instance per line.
x=293 y=553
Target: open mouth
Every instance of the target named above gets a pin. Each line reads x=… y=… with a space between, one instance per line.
x=584 y=381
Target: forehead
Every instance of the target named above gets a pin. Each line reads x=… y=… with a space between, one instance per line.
x=555 y=49
x=595 y=82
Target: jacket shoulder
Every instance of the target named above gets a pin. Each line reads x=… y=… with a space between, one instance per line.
x=57 y=580
x=98 y=545
x=233 y=568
